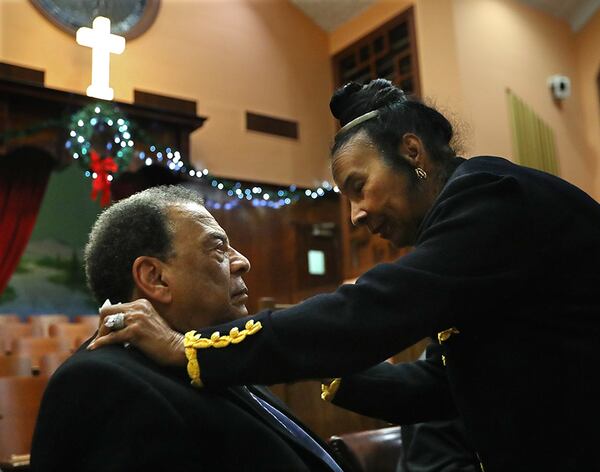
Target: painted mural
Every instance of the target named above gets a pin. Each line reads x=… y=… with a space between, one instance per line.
x=50 y=277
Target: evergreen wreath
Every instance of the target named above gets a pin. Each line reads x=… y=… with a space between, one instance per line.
x=100 y=138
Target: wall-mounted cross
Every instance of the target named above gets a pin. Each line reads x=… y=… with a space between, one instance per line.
x=103 y=44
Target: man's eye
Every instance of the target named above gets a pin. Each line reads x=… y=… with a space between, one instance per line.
x=222 y=248
x=358 y=186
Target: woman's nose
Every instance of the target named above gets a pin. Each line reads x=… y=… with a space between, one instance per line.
x=357 y=215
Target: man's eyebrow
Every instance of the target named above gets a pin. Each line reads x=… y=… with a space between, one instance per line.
x=213 y=234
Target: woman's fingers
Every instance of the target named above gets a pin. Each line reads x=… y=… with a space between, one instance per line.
x=143 y=328
x=111 y=309
x=126 y=333
x=137 y=306
x=141 y=306
x=113 y=337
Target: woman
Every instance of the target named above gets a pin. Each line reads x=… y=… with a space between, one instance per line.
x=504 y=273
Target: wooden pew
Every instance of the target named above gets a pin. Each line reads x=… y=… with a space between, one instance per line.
x=14 y=365
x=9 y=318
x=20 y=399
x=41 y=323
x=9 y=332
x=35 y=348
x=52 y=361
x=73 y=333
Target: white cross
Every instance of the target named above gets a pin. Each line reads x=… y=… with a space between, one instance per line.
x=102 y=43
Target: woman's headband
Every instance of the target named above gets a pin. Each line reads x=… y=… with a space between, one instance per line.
x=358 y=121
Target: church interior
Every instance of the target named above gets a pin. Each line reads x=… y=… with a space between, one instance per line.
x=102 y=99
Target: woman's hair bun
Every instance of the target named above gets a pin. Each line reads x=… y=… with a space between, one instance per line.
x=353 y=100
x=343 y=99
x=385 y=93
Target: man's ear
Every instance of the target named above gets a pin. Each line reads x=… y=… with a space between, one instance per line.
x=412 y=150
x=149 y=279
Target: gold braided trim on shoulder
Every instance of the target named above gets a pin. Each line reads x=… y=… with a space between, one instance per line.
x=443 y=336
x=192 y=342
x=329 y=391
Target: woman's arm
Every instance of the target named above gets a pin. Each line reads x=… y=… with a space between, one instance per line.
x=473 y=241
x=402 y=393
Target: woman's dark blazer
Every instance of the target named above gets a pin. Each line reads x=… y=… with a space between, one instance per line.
x=507 y=269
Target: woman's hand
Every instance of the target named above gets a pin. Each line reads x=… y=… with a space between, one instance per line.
x=145 y=329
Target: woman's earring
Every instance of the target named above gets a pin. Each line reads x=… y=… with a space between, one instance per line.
x=421 y=173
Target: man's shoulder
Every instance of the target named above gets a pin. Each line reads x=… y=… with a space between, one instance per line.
x=100 y=379
x=113 y=357
x=94 y=368
x=111 y=365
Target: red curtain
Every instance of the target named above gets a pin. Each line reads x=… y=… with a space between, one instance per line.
x=23 y=179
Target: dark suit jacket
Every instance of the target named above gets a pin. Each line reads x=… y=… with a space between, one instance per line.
x=508 y=256
x=115 y=410
x=387 y=389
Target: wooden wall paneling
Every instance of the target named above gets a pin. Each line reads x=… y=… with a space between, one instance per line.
x=262 y=235
x=361 y=250
x=376 y=55
x=316 y=227
x=275 y=242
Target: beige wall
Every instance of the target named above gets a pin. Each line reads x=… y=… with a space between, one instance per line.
x=230 y=56
x=471 y=51
x=266 y=56
x=588 y=58
x=503 y=44
x=1 y=30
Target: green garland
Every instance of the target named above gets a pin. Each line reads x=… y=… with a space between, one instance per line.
x=23 y=133
x=100 y=127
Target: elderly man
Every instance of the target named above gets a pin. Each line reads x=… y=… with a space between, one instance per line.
x=114 y=409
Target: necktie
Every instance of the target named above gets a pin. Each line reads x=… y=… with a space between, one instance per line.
x=297 y=432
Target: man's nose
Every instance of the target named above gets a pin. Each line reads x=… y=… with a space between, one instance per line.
x=358 y=216
x=238 y=263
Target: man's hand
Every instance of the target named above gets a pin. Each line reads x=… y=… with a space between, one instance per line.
x=145 y=329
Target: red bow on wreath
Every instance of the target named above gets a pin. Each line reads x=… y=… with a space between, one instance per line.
x=102 y=168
